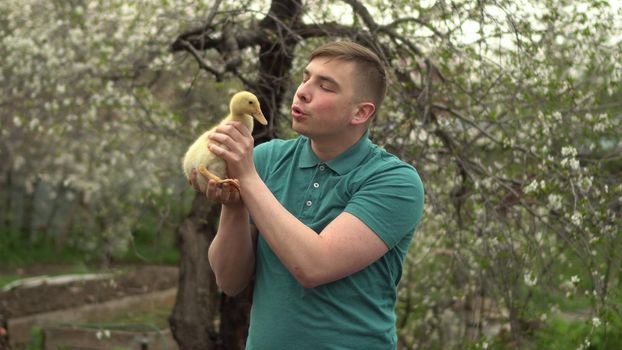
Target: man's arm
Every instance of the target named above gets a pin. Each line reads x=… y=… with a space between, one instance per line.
x=232 y=252
x=344 y=247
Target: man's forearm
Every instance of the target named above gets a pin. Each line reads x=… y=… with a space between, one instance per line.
x=232 y=252
x=346 y=245
x=297 y=246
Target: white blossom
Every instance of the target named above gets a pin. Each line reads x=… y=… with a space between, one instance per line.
x=586 y=183
x=600 y=127
x=577 y=219
x=17 y=121
x=532 y=187
x=574 y=164
x=529 y=279
x=571 y=163
x=575 y=280
x=102 y=334
x=569 y=151
x=555 y=201
x=33 y=124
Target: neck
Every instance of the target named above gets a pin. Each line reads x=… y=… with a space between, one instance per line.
x=327 y=149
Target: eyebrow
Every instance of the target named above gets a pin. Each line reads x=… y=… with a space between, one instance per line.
x=323 y=78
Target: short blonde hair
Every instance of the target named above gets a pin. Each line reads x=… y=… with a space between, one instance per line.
x=372 y=78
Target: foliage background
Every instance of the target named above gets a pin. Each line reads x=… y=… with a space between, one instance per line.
x=509 y=110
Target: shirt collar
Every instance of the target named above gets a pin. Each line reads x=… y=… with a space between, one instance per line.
x=341 y=164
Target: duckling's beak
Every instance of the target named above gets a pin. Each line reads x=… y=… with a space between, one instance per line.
x=258 y=115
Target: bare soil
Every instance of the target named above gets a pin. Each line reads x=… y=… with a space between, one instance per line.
x=126 y=281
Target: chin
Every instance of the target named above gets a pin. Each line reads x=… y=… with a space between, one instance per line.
x=303 y=132
x=298 y=128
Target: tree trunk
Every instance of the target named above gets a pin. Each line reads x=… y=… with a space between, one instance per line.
x=234 y=319
x=203 y=318
x=193 y=321
x=28 y=214
x=6 y=213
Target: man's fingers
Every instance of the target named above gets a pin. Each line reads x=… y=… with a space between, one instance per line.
x=225 y=193
x=193 y=180
x=212 y=189
x=215 y=191
x=232 y=128
x=240 y=128
x=217 y=150
x=230 y=133
x=221 y=193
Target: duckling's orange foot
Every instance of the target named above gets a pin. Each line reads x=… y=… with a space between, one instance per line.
x=208 y=175
x=233 y=182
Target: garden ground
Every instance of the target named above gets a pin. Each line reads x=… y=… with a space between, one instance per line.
x=124 y=281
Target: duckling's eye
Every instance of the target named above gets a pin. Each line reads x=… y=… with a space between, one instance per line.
x=250 y=102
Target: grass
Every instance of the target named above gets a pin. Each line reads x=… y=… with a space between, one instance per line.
x=151 y=252
x=17 y=252
x=36 y=339
x=561 y=333
x=77 y=268
x=8 y=278
x=154 y=319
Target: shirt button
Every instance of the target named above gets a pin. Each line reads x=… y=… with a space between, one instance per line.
x=316 y=185
x=309 y=203
x=322 y=168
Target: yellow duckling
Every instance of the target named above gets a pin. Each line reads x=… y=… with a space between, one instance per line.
x=244 y=106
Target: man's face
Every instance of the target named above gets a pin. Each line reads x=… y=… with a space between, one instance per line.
x=323 y=105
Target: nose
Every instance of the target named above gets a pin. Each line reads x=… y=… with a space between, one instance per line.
x=303 y=93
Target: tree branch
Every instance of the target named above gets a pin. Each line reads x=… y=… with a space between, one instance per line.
x=200 y=61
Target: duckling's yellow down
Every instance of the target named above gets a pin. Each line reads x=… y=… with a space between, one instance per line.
x=244 y=106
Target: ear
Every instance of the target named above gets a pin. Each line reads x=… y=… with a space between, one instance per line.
x=363 y=113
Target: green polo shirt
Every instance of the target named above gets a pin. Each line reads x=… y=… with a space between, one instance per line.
x=355 y=312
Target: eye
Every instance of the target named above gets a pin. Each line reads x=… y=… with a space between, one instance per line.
x=250 y=102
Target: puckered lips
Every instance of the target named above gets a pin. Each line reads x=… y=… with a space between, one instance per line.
x=298 y=112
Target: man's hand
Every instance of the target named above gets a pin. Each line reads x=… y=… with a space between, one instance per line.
x=224 y=194
x=239 y=155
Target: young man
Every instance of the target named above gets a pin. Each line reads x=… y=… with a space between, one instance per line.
x=331 y=214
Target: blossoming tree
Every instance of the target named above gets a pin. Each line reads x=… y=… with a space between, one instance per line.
x=510 y=112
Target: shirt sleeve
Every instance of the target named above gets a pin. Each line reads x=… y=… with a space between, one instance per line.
x=390 y=202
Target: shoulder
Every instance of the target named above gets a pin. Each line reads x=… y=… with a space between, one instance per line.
x=277 y=146
x=271 y=154
x=388 y=195
x=389 y=169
